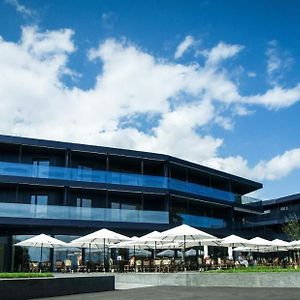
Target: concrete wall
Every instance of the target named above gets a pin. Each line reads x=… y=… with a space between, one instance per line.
x=18 y=289
x=288 y=280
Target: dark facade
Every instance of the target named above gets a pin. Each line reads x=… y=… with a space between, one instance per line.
x=71 y=189
x=276 y=213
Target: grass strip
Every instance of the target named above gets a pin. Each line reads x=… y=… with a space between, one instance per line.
x=25 y=275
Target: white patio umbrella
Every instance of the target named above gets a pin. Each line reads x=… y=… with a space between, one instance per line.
x=150 y=240
x=182 y=233
x=209 y=242
x=259 y=244
x=126 y=244
x=280 y=245
x=168 y=253
x=102 y=237
x=251 y=249
x=258 y=241
x=42 y=241
x=294 y=245
x=232 y=241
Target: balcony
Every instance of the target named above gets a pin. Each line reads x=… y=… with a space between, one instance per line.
x=202 y=221
x=54 y=212
x=279 y=217
x=106 y=177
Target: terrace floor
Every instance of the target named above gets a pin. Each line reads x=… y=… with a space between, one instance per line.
x=186 y=293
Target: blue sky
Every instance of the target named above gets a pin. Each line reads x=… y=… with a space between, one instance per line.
x=215 y=82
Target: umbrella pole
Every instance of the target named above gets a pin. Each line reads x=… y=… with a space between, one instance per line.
x=90 y=254
x=154 y=249
x=134 y=257
x=41 y=257
x=184 y=252
x=104 y=262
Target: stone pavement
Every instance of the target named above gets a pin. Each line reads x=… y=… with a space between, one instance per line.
x=186 y=293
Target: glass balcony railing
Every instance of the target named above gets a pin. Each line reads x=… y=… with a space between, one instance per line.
x=106 y=177
x=20 y=210
x=202 y=221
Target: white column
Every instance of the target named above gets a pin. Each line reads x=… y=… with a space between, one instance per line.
x=230 y=253
x=205 y=248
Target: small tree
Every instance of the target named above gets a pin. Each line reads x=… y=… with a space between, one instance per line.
x=292 y=229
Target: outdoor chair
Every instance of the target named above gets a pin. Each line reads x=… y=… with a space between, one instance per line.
x=147 y=265
x=82 y=268
x=45 y=266
x=138 y=266
x=157 y=265
x=67 y=265
x=59 y=266
x=130 y=266
x=178 y=265
x=166 y=265
x=33 y=267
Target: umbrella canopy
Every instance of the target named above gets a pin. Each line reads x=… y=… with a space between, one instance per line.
x=248 y=249
x=209 y=242
x=294 y=244
x=102 y=236
x=42 y=240
x=152 y=235
x=82 y=244
x=279 y=243
x=234 y=241
x=127 y=244
x=257 y=241
x=168 y=253
x=184 y=232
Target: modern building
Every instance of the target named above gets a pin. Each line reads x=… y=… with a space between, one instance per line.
x=67 y=190
x=276 y=213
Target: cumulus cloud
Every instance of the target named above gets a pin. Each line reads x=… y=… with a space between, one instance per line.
x=177 y=102
x=183 y=46
x=275 y=168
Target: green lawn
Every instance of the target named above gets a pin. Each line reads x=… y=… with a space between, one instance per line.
x=25 y=275
x=255 y=270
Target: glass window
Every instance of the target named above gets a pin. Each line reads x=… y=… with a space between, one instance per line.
x=128 y=206
x=83 y=202
x=282 y=208
x=40 y=167
x=39 y=209
x=39 y=199
x=84 y=173
x=115 y=205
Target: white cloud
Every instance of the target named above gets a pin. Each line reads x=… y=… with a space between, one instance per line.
x=276 y=98
x=251 y=74
x=221 y=52
x=277 y=62
x=183 y=46
x=273 y=60
x=273 y=169
x=184 y=100
x=21 y=9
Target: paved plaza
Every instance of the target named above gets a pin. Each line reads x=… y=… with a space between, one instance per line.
x=183 y=292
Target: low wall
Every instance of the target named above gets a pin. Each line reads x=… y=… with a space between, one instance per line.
x=49 y=287
x=283 y=280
